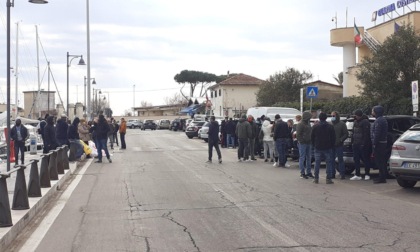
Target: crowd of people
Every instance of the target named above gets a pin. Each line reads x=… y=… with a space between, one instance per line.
x=305 y=141
x=78 y=133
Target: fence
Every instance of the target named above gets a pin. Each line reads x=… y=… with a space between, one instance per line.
x=52 y=164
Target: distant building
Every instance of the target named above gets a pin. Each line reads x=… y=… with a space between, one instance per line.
x=326 y=91
x=234 y=95
x=160 y=110
x=35 y=108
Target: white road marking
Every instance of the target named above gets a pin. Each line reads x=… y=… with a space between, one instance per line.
x=36 y=237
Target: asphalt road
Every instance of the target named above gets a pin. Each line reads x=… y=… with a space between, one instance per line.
x=159 y=195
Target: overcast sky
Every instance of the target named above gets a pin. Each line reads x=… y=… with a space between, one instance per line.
x=147 y=42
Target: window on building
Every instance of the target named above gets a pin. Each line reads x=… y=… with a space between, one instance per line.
x=215 y=93
x=211 y=94
x=220 y=92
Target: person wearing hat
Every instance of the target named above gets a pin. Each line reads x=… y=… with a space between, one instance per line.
x=61 y=129
x=362 y=145
x=19 y=134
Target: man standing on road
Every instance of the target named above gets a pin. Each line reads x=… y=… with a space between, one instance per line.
x=303 y=135
x=123 y=129
x=213 y=139
x=341 y=134
x=19 y=134
x=282 y=134
x=323 y=139
x=230 y=133
x=254 y=135
x=379 y=142
x=61 y=129
x=362 y=144
x=243 y=133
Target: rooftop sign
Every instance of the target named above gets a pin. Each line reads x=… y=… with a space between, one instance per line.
x=390 y=8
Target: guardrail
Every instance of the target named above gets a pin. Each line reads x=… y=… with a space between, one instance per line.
x=53 y=163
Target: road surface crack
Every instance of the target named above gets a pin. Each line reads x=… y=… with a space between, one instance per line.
x=185 y=229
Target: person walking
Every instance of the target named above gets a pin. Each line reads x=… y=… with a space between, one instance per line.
x=323 y=139
x=230 y=133
x=213 y=140
x=61 y=129
x=267 y=129
x=379 y=133
x=362 y=144
x=252 y=137
x=50 y=141
x=101 y=130
x=19 y=134
x=243 y=133
x=303 y=136
x=123 y=129
x=74 y=138
x=281 y=138
x=341 y=134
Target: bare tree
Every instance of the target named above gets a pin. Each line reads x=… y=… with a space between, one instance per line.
x=145 y=104
x=175 y=99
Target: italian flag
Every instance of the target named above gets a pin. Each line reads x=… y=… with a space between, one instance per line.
x=357 y=36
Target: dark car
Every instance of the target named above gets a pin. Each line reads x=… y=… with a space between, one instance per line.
x=149 y=124
x=192 y=129
x=397 y=125
x=177 y=124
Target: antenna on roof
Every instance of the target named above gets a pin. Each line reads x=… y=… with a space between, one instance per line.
x=228 y=73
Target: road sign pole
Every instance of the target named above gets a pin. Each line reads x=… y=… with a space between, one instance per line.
x=311 y=106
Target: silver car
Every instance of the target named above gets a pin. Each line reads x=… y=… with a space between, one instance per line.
x=405 y=158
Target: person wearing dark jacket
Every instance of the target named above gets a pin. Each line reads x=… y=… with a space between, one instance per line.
x=243 y=133
x=74 y=138
x=116 y=128
x=223 y=132
x=230 y=133
x=50 y=141
x=213 y=139
x=282 y=135
x=303 y=136
x=323 y=139
x=362 y=145
x=378 y=136
x=101 y=131
x=19 y=134
x=61 y=129
x=253 y=136
x=341 y=134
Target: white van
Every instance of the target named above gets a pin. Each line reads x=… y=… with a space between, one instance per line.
x=270 y=112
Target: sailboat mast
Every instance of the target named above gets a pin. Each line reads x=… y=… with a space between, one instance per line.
x=17 y=70
x=39 y=75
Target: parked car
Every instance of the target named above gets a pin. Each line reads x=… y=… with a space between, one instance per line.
x=397 y=125
x=177 y=124
x=192 y=130
x=148 y=124
x=134 y=123
x=404 y=162
x=203 y=133
x=163 y=124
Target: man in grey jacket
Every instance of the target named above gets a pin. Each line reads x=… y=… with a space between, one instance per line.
x=243 y=133
x=303 y=135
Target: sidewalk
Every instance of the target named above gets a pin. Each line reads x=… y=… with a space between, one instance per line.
x=21 y=218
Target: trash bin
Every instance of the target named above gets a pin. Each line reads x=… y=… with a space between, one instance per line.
x=32 y=145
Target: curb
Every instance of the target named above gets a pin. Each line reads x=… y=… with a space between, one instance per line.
x=21 y=218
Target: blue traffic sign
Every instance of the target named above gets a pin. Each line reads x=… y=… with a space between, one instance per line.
x=311 y=92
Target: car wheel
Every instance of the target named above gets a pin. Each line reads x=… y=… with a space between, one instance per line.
x=190 y=137
x=406 y=183
x=349 y=169
x=132 y=126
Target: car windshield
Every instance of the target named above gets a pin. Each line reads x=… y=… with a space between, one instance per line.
x=411 y=136
x=148 y=121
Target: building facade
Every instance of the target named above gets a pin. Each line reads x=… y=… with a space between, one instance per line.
x=326 y=91
x=233 y=96
x=35 y=106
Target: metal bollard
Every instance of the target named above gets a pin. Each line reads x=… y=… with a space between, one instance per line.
x=72 y=153
x=20 y=195
x=44 y=179
x=65 y=158
x=60 y=166
x=5 y=213
x=34 y=186
x=52 y=165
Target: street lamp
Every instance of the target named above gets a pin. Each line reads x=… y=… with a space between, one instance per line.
x=84 y=97
x=81 y=62
x=8 y=5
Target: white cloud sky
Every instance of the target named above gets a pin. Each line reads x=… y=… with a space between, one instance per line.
x=147 y=42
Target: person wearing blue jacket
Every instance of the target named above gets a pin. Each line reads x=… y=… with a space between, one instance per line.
x=378 y=135
x=214 y=139
x=19 y=134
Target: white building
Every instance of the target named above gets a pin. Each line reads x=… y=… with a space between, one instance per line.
x=234 y=95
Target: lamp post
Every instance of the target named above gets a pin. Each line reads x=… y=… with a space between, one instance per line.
x=8 y=5
x=84 y=97
x=81 y=62
x=95 y=97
